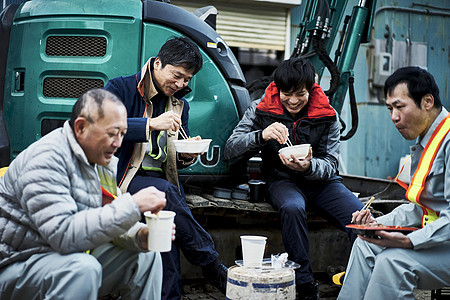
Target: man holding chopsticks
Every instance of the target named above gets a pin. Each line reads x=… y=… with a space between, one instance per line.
x=156 y=112
x=391 y=266
x=294 y=108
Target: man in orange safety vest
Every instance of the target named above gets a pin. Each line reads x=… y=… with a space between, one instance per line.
x=393 y=264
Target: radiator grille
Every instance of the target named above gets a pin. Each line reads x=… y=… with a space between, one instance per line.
x=57 y=87
x=76 y=46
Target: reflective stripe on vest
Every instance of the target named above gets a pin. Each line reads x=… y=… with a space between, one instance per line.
x=107 y=197
x=154 y=161
x=108 y=185
x=423 y=169
x=397 y=178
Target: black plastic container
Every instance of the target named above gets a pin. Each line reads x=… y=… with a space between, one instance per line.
x=257 y=190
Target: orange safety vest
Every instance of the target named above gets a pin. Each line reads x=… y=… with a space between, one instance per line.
x=417 y=184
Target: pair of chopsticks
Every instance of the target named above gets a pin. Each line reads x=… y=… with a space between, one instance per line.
x=288 y=142
x=367 y=206
x=183 y=133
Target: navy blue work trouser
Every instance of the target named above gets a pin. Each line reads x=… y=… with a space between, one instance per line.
x=290 y=200
x=196 y=244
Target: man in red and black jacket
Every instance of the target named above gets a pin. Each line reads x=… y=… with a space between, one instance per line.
x=295 y=107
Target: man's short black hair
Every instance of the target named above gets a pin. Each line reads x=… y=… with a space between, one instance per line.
x=294 y=73
x=418 y=81
x=90 y=100
x=181 y=51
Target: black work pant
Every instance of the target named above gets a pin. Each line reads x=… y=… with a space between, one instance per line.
x=333 y=200
x=196 y=244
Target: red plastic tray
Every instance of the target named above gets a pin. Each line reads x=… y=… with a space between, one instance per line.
x=369 y=231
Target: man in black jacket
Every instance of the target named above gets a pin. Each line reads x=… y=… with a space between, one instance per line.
x=295 y=107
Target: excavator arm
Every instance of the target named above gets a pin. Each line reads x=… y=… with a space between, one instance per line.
x=319 y=26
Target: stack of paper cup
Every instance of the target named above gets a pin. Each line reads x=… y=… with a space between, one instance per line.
x=253 y=250
x=160 y=227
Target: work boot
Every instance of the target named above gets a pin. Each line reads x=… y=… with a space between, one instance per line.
x=307 y=291
x=216 y=274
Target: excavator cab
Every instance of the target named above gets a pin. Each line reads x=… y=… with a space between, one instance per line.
x=58 y=51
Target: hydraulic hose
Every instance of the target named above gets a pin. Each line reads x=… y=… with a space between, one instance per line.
x=341 y=41
x=353 y=109
x=343 y=126
x=319 y=47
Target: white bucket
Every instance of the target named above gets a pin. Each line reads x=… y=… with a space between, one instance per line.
x=160 y=227
x=260 y=284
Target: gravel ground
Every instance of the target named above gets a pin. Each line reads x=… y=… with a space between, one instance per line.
x=422 y=295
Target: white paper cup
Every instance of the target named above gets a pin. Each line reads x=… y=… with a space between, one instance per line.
x=160 y=228
x=253 y=250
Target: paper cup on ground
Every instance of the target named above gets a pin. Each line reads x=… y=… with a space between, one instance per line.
x=160 y=228
x=253 y=247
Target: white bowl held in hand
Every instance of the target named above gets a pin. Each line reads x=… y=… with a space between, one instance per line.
x=192 y=145
x=299 y=151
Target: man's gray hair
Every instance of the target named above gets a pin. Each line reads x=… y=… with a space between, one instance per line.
x=90 y=105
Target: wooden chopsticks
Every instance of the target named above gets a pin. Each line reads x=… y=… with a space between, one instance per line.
x=367 y=206
x=183 y=133
x=288 y=142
